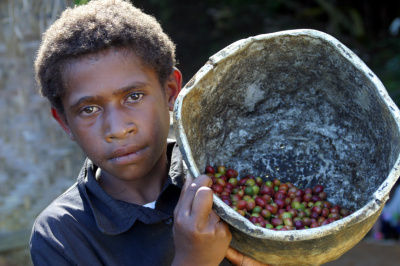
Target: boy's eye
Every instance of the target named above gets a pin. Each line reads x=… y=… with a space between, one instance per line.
x=135 y=97
x=89 y=110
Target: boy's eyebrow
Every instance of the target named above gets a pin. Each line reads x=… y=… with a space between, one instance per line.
x=123 y=90
x=76 y=104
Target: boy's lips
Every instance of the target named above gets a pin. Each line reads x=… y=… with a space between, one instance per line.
x=127 y=154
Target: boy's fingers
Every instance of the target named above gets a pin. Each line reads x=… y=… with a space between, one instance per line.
x=202 y=206
x=188 y=181
x=234 y=256
x=189 y=191
x=237 y=258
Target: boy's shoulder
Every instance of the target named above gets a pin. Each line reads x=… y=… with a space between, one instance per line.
x=55 y=223
x=62 y=212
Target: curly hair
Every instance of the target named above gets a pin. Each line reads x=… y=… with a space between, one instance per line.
x=92 y=28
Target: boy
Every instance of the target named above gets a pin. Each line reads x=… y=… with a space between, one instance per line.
x=108 y=71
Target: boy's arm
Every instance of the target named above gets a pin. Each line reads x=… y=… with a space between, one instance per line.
x=200 y=236
x=43 y=253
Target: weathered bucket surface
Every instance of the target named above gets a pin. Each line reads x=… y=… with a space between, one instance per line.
x=299 y=106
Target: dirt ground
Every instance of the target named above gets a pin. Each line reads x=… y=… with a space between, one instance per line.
x=370 y=253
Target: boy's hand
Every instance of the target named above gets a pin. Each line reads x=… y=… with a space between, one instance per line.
x=200 y=236
x=237 y=258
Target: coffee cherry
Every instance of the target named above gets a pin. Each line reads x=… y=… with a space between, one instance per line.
x=276 y=182
x=324 y=222
x=325 y=212
x=235 y=197
x=220 y=182
x=274 y=205
x=288 y=221
x=242 y=182
x=306 y=221
x=293 y=213
x=256 y=189
x=248 y=191
x=247 y=197
x=259 y=181
x=280 y=203
x=316 y=209
x=323 y=195
x=308 y=191
x=299 y=193
x=260 y=201
x=284 y=187
x=250 y=182
x=273 y=209
x=267 y=190
x=285 y=215
x=257 y=209
x=227 y=201
x=314 y=225
x=276 y=221
x=327 y=204
x=250 y=204
x=221 y=169
x=318 y=189
x=344 y=212
x=296 y=205
x=210 y=169
x=307 y=197
x=314 y=215
x=267 y=197
x=230 y=173
x=266 y=214
x=262 y=223
x=241 y=204
x=217 y=188
x=334 y=215
x=225 y=193
x=270 y=226
x=280 y=196
x=334 y=210
x=288 y=201
x=315 y=198
x=299 y=224
x=269 y=184
x=241 y=212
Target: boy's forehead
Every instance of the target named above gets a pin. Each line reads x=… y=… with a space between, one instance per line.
x=126 y=56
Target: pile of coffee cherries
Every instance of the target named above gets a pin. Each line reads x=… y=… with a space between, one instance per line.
x=272 y=204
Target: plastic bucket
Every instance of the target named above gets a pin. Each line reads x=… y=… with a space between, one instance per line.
x=299 y=106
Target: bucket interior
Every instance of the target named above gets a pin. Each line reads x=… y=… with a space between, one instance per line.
x=296 y=109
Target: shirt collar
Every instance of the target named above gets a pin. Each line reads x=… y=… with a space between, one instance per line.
x=114 y=216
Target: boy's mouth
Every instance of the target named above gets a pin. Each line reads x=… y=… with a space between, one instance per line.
x=126 y=155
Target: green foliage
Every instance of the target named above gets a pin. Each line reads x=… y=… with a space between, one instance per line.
x=385 y=62
x=80 y=2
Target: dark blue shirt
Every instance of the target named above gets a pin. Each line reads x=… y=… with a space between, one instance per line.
x=86 y=226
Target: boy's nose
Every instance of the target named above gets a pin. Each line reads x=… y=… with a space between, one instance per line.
x=118 y=126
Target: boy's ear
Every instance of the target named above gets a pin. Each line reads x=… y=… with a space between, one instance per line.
x=174 y=86
x=60 y=118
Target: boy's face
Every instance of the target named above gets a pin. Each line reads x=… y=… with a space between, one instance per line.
x=118 y=113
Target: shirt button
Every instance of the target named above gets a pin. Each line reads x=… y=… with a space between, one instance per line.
x=168 y=221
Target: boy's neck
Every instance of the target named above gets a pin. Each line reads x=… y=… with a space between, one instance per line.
x=139 y=191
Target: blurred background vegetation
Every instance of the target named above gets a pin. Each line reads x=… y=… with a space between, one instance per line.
x=37 y=160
